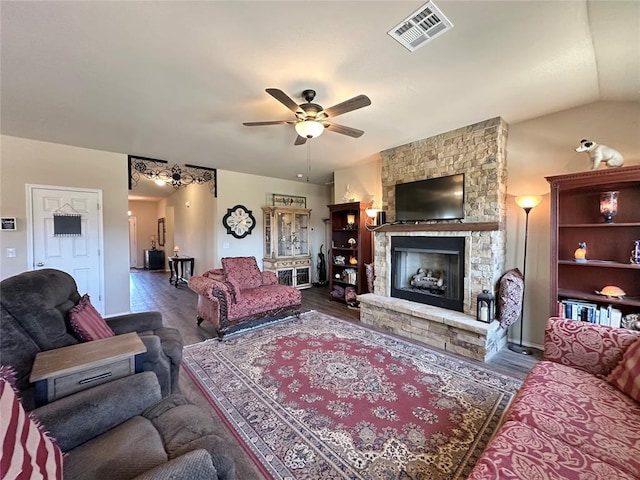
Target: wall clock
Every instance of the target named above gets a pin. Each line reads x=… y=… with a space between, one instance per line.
x=239 y=221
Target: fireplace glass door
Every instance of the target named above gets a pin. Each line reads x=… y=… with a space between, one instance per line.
x=428 y=270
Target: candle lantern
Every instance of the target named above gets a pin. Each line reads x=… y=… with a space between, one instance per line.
x=176 y=251
x=485 y=308
x=609 y=205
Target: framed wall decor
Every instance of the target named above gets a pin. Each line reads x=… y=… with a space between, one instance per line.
x=8 y=223
x=67 y=225
x=281 y=200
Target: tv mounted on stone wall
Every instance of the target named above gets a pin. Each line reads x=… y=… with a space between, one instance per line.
x=439 y=198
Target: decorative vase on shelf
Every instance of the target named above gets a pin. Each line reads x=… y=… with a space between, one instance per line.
x=609 y=205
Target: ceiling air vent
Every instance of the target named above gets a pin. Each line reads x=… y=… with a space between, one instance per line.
x=421 y=26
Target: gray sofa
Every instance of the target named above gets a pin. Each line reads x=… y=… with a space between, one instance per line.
x=124 y=430
x=34 y=319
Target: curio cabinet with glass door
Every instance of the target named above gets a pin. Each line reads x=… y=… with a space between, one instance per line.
x=286 y=245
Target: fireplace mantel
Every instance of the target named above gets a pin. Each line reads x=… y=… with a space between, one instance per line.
x=440 y=227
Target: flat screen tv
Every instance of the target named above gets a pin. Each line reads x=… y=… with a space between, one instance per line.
x=432 y=199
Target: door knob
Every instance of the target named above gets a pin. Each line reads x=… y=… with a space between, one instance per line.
x=39 y=264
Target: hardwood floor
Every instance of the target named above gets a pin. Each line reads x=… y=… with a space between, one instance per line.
x=150 y=290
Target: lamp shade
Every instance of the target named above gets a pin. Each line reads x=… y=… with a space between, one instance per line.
x=309 y=128
x=528 y=201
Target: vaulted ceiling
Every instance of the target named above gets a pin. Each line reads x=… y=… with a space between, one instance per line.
x=175 y=80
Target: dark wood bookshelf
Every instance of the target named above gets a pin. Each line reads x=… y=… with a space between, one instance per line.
x=341 y=233
x=576 y=218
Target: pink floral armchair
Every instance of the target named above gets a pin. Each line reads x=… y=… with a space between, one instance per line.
x=239 y=294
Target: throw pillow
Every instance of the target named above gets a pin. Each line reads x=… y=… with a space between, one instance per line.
x=243 y=271
x=27 y=451
x=626 y=376
x=510 y=297
x=87 y=323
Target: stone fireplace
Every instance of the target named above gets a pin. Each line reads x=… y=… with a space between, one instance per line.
x=478 y=151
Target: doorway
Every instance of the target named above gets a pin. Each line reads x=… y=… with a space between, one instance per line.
x=133 y=243
x=75 y=250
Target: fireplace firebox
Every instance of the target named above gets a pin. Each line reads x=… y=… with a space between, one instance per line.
x=428 y=270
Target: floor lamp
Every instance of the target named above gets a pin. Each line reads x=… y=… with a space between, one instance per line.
x=527 y=203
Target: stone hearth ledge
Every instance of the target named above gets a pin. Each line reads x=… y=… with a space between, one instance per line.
x=445 y=329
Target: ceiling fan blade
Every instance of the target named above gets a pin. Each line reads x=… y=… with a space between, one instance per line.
x=284 y=99
x=274 y=122
x=351 y=132
x=348 y=106
x=300 y=140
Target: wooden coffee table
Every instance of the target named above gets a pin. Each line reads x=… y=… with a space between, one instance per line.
x=63 y=371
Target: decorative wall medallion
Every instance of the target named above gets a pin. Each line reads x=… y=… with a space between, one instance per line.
x=239 y=221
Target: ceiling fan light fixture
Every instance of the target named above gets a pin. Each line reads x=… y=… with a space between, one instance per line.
x=309 y=128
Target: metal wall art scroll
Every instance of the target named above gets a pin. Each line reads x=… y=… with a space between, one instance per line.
x=178 y=176
x=67 y=224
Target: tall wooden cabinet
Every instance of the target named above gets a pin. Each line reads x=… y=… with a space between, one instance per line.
x=286 y=245
x=350 y=247
x=576 y=218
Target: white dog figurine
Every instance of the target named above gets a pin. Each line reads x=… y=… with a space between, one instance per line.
x=600 y=153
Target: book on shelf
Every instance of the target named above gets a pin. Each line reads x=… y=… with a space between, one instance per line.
x=581 y=310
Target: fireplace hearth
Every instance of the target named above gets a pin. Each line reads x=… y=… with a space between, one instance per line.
x=428 y=270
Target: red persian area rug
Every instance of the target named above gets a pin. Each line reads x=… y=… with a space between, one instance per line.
x=320 y=398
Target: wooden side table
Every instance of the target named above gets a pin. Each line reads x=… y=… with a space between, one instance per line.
x=63 y=371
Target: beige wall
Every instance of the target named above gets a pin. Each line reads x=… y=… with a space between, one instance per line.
x=24 y=161
x=364 y=180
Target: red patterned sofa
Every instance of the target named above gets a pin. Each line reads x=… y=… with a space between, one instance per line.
x=239 y=294
x=569 y=420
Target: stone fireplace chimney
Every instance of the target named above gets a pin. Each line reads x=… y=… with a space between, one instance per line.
x=478 y=151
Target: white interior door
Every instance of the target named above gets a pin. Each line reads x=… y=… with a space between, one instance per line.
x=78 y=255
x=133 y=243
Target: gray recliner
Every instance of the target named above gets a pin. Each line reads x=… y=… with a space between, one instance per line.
x=35 y=305
x=124 y=430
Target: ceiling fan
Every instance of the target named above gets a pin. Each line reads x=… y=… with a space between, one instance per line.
x=311 y=118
